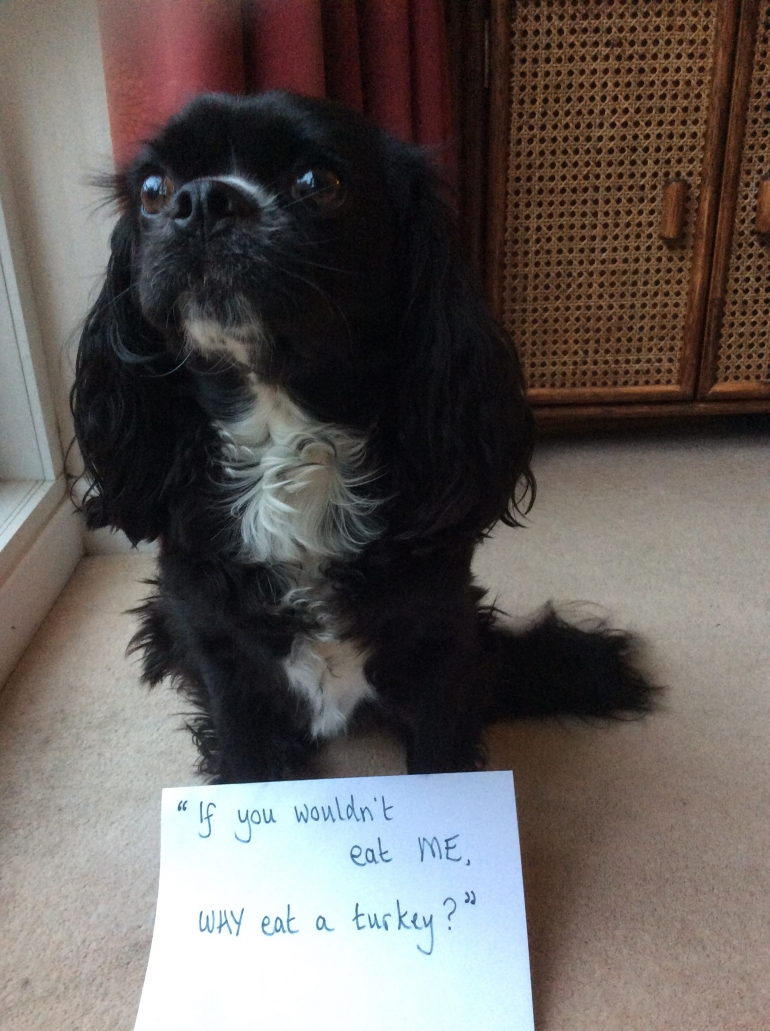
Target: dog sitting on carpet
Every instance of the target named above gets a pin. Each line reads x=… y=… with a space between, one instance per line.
x=291 y=382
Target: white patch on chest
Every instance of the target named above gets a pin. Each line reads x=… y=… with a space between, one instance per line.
x=296 y=493
x=296 y=484
x=330 y=676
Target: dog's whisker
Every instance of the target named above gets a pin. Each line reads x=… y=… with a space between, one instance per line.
x=170 y=372
x=332 y=304
x=316 y=264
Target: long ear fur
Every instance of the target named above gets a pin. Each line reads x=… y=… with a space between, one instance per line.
x=127 y=404
x=462 y=429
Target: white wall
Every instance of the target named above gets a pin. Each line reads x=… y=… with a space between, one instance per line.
x=55 y=130
x=56 y=135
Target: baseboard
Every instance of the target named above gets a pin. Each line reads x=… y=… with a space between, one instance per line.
x=30 y=590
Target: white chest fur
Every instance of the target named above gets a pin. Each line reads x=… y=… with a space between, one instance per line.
x=296 y=495
x=296 y=484
x=330 y=676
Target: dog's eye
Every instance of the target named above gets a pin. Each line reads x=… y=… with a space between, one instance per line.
x=319 y=186
x=156 y=192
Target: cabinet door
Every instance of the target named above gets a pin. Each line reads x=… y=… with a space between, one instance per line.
x=607 y=102
x=737 y=355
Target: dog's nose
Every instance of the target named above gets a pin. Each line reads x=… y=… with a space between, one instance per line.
x=208 y=203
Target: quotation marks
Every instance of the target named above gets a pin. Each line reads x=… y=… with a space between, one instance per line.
x=182 y=807
x=470 y=897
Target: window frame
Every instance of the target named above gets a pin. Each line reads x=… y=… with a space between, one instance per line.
x=41 y=539
x=32 y=481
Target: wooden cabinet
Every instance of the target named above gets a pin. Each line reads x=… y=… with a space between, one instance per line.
x=626 y=141
x=736 y=354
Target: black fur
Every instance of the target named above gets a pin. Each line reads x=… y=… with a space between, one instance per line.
x=376 y=326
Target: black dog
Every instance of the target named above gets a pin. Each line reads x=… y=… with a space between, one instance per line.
x=290 y=380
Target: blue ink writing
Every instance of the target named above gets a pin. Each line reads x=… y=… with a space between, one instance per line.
x=314 y=814
x=436 y=850
x=254 y=818
x=326 y=812
x=406 y=922
x=279 y=925
x=221 y=922
x=364 y=857
x=206 y=818
x=385 y=808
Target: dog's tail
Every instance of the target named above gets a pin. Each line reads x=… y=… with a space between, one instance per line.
x=554 y=668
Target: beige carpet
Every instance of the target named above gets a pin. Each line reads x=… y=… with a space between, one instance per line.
x=646 y=846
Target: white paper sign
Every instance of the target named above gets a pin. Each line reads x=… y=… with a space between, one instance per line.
x=376 y=903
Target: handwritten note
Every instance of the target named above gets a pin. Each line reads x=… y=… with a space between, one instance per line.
x=384 y=903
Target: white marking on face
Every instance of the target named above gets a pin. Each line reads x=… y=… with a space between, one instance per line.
x=255 y=191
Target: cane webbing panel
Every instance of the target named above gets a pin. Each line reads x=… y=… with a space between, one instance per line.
x=608 y=100
x=744 y=348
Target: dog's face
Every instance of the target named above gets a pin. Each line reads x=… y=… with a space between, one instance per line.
x=265 y=227
x=278 y=241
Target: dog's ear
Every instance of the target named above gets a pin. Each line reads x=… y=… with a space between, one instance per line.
x=462 y=429
x=126 y=406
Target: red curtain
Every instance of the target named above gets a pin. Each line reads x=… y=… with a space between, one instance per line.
x=387 y=58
